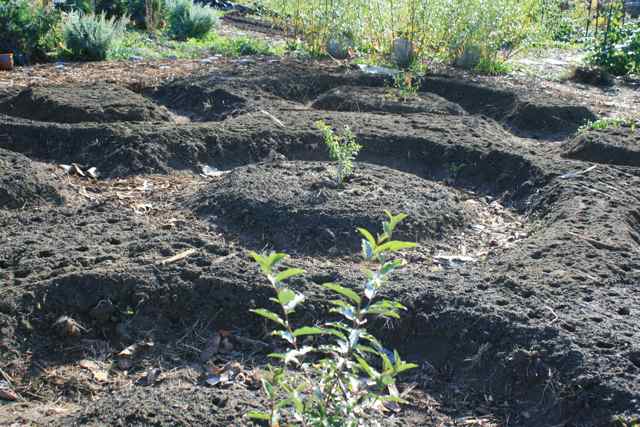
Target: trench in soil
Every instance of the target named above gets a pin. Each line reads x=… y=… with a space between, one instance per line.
x=452 y=158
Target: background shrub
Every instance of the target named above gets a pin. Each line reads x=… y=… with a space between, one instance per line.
x=618 y=52
x=28 y=30
x=189 y=20
x=90 y=36
x=439 y=28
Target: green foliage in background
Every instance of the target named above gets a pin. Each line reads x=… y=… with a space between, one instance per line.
x=189 y=20
x=28 y=30
x=89 y=37
x=438 y=28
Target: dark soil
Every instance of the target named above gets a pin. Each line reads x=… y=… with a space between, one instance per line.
x=522 y=299
x=22 y=184
x=618 y=146
x=388 y=100
x=296 y=206
x=77 y=104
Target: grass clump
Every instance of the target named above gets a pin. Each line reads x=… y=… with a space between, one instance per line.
x=343 y=149
x=189 y=20
x=91 y=36
x=347 y=380
x=607 y=123
x=161 y=46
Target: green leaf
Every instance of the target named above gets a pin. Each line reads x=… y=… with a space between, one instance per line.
x=393 y=246
x=391 y=266
x=275 y=258
x=262 y=262
x=367 y=250
x=387 y=379
x=285 y=335
x=345 y=292
x=289 y=299
x=335 y=333
x=285 y=296
x=364 y=365
x=308 y=330
x=257 y=415
x=292 y=355
x=365 y=233
x=269 y=315
x=297 y=402
x=286 y=274
x=268 y=388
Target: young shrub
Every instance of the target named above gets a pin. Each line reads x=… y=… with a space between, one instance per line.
x=343 y=149
x=352 y=375
x=618 y=51
x=90 y=36
x=406 y=85
x=29 y=31
x=188 y=20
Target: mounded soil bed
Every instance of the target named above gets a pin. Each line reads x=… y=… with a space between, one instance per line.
x=22 y=184
x=522 y=297
x=295 y=206
x=618 y=146
x=384 y=100
x=76 y=104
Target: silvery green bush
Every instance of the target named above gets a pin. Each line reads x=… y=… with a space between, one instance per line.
x=188 y=20
x=90 y=36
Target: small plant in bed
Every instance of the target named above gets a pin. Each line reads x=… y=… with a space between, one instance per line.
x=607 y=123
x=349 y=379
x=343 y=149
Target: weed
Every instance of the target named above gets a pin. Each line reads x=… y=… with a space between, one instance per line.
x=158 y=46
x=342 y=386
x=492 y=67
x=343 y=149
x=406 y=85
x=607 y=123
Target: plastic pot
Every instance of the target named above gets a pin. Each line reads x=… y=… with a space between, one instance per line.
x=470 y=57
x=403 y=52
x=6 y=61
x=338 y=47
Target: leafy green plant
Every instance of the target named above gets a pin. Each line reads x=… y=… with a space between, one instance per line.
x=28 y=30
x=492 y=66
x=158 y=46
x=607 y=123
x=190 y=20
x=436 y=28
x=90 y=36
x=343 y=149
x=406 y=85
x=618 y=51
x=338 y=382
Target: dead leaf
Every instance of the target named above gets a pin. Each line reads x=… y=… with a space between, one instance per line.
x=77 y=169
x=8 y=394
x=99 y=374
x=93 y=172
x=129 y=351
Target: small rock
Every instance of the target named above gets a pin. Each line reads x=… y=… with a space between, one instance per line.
x=136 y=58
x=624 y=311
